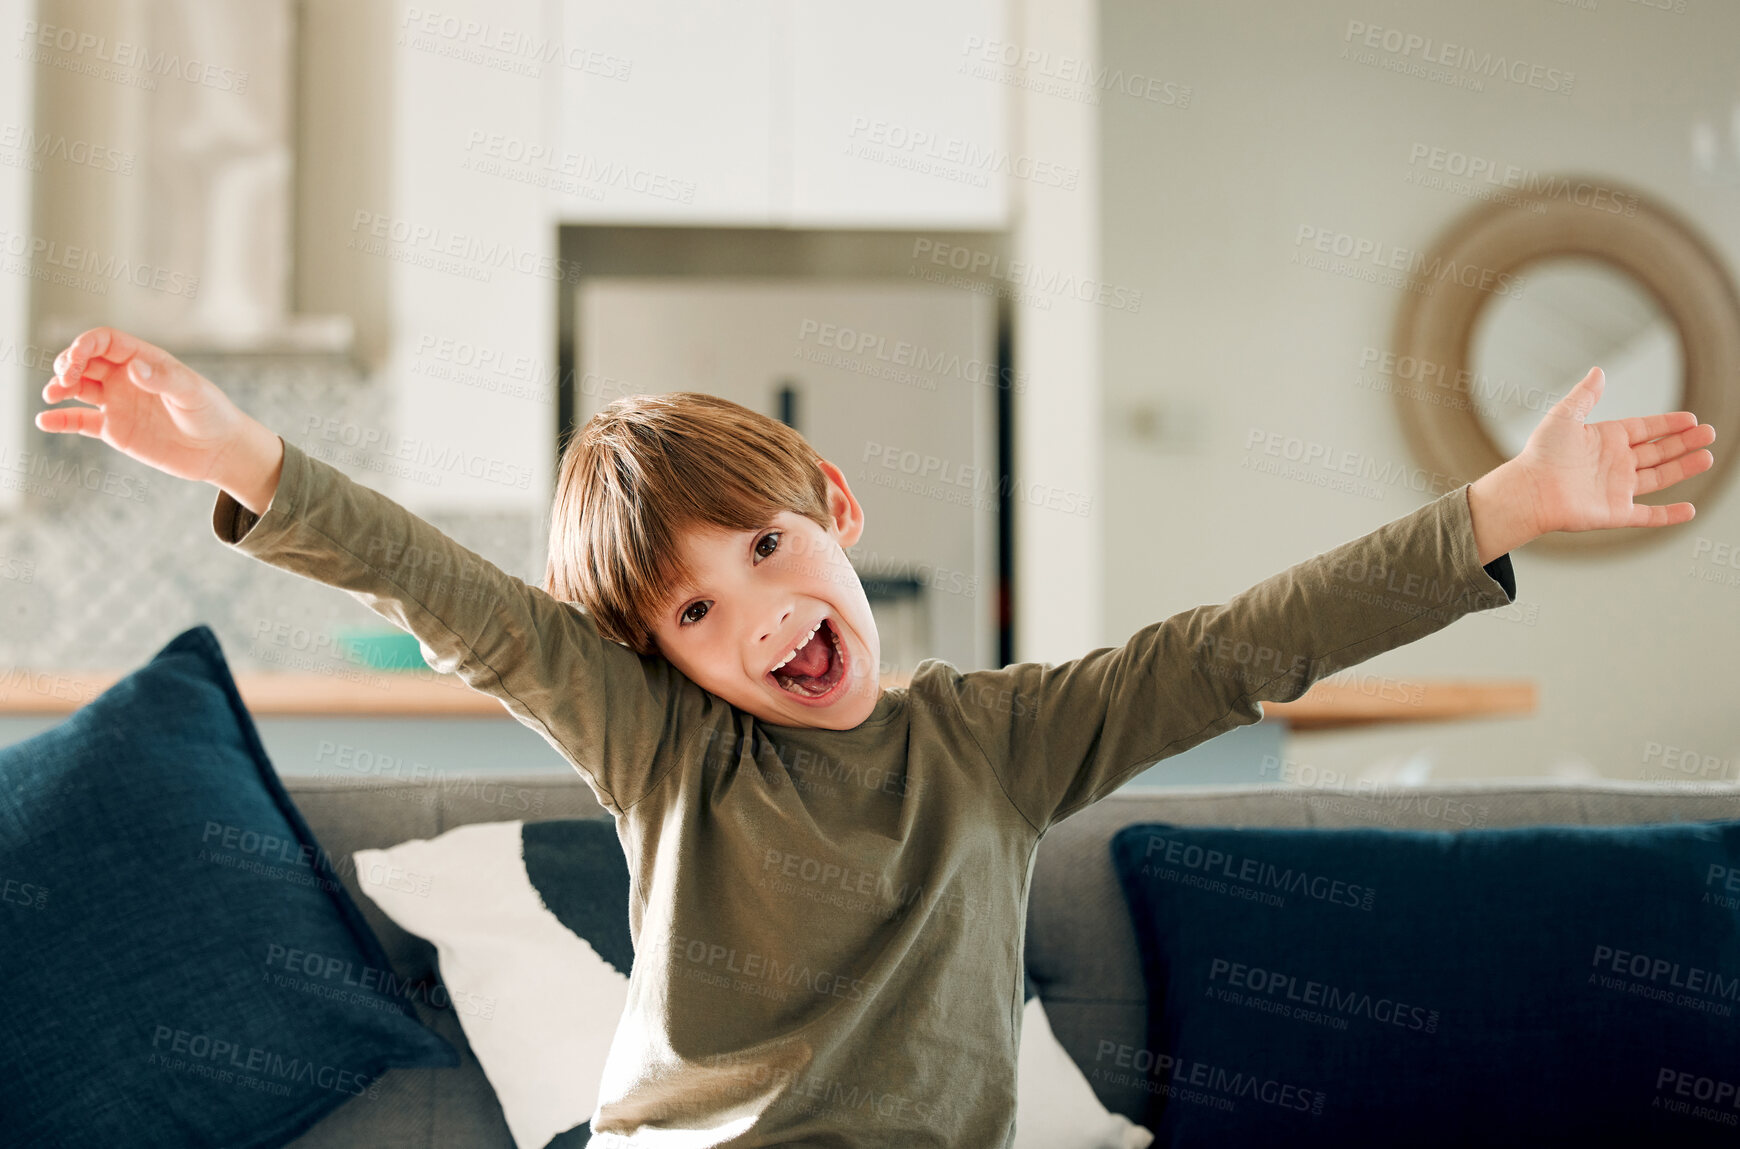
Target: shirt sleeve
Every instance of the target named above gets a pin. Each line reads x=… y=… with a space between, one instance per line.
x=1062 y=737
x=606 y=709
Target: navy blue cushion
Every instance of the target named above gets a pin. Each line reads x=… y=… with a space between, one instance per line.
x=581 y=875
x=181 y=966
x=1549 y=985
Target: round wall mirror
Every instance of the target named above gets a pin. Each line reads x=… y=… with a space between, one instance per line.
x=1562 y=287
x=1576 y=313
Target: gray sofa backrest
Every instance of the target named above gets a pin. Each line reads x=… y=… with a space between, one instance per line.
x=1081 y=950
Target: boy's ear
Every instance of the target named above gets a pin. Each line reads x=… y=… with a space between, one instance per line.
x=843 y=506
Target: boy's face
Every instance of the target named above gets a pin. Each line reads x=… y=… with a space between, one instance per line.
x=760 y=594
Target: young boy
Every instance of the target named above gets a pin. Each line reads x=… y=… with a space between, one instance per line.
x=830 y=879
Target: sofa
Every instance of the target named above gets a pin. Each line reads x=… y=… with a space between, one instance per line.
x=1081 y=950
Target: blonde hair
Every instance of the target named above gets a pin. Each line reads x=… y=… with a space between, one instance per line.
x=645 y=469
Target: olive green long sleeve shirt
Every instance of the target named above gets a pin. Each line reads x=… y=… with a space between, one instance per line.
x=828 y=925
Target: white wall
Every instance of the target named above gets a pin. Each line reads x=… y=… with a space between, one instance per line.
x=343 y=157
x=1202 y=206
x=1058 y=555
x=22 y=370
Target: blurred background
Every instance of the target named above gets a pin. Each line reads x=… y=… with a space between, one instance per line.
x=1098 y=306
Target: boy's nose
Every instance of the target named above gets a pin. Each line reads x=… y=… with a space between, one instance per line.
x=778 y=625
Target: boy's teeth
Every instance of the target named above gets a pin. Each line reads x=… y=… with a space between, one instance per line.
x=802 y=642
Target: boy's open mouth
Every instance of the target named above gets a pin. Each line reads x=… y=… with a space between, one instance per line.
x=819 y=666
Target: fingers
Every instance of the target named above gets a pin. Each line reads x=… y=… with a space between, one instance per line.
x=1667 y=474
x=1646 y=516
x=1581 y=399
x=1649 y=454
x=72 y=420
x=1643 y=428
x=107 y=355
x=103 y=343
x=86 y=387
x=95 y=343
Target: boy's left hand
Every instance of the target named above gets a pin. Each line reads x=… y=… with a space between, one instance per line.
x=1581 y=476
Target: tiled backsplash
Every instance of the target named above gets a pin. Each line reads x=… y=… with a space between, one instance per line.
x=110 y=559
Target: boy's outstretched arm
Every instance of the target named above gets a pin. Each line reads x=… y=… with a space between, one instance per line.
x=1061 y=737
x=591 y=699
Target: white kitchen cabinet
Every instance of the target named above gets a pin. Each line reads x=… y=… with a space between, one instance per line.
x=773 y=112
x=473 y=271
x=666 y=112
x=892 y=124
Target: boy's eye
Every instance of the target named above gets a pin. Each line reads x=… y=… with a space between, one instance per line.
x=761 y=547
x=689 y=615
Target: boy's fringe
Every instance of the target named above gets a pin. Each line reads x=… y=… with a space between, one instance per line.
x=645 y=469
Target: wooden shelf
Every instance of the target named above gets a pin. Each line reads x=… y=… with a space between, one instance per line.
x=363 y=692
x=1336 y=705
x=359 y=692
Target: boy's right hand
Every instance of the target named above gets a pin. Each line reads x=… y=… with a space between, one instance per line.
x=149 y=405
